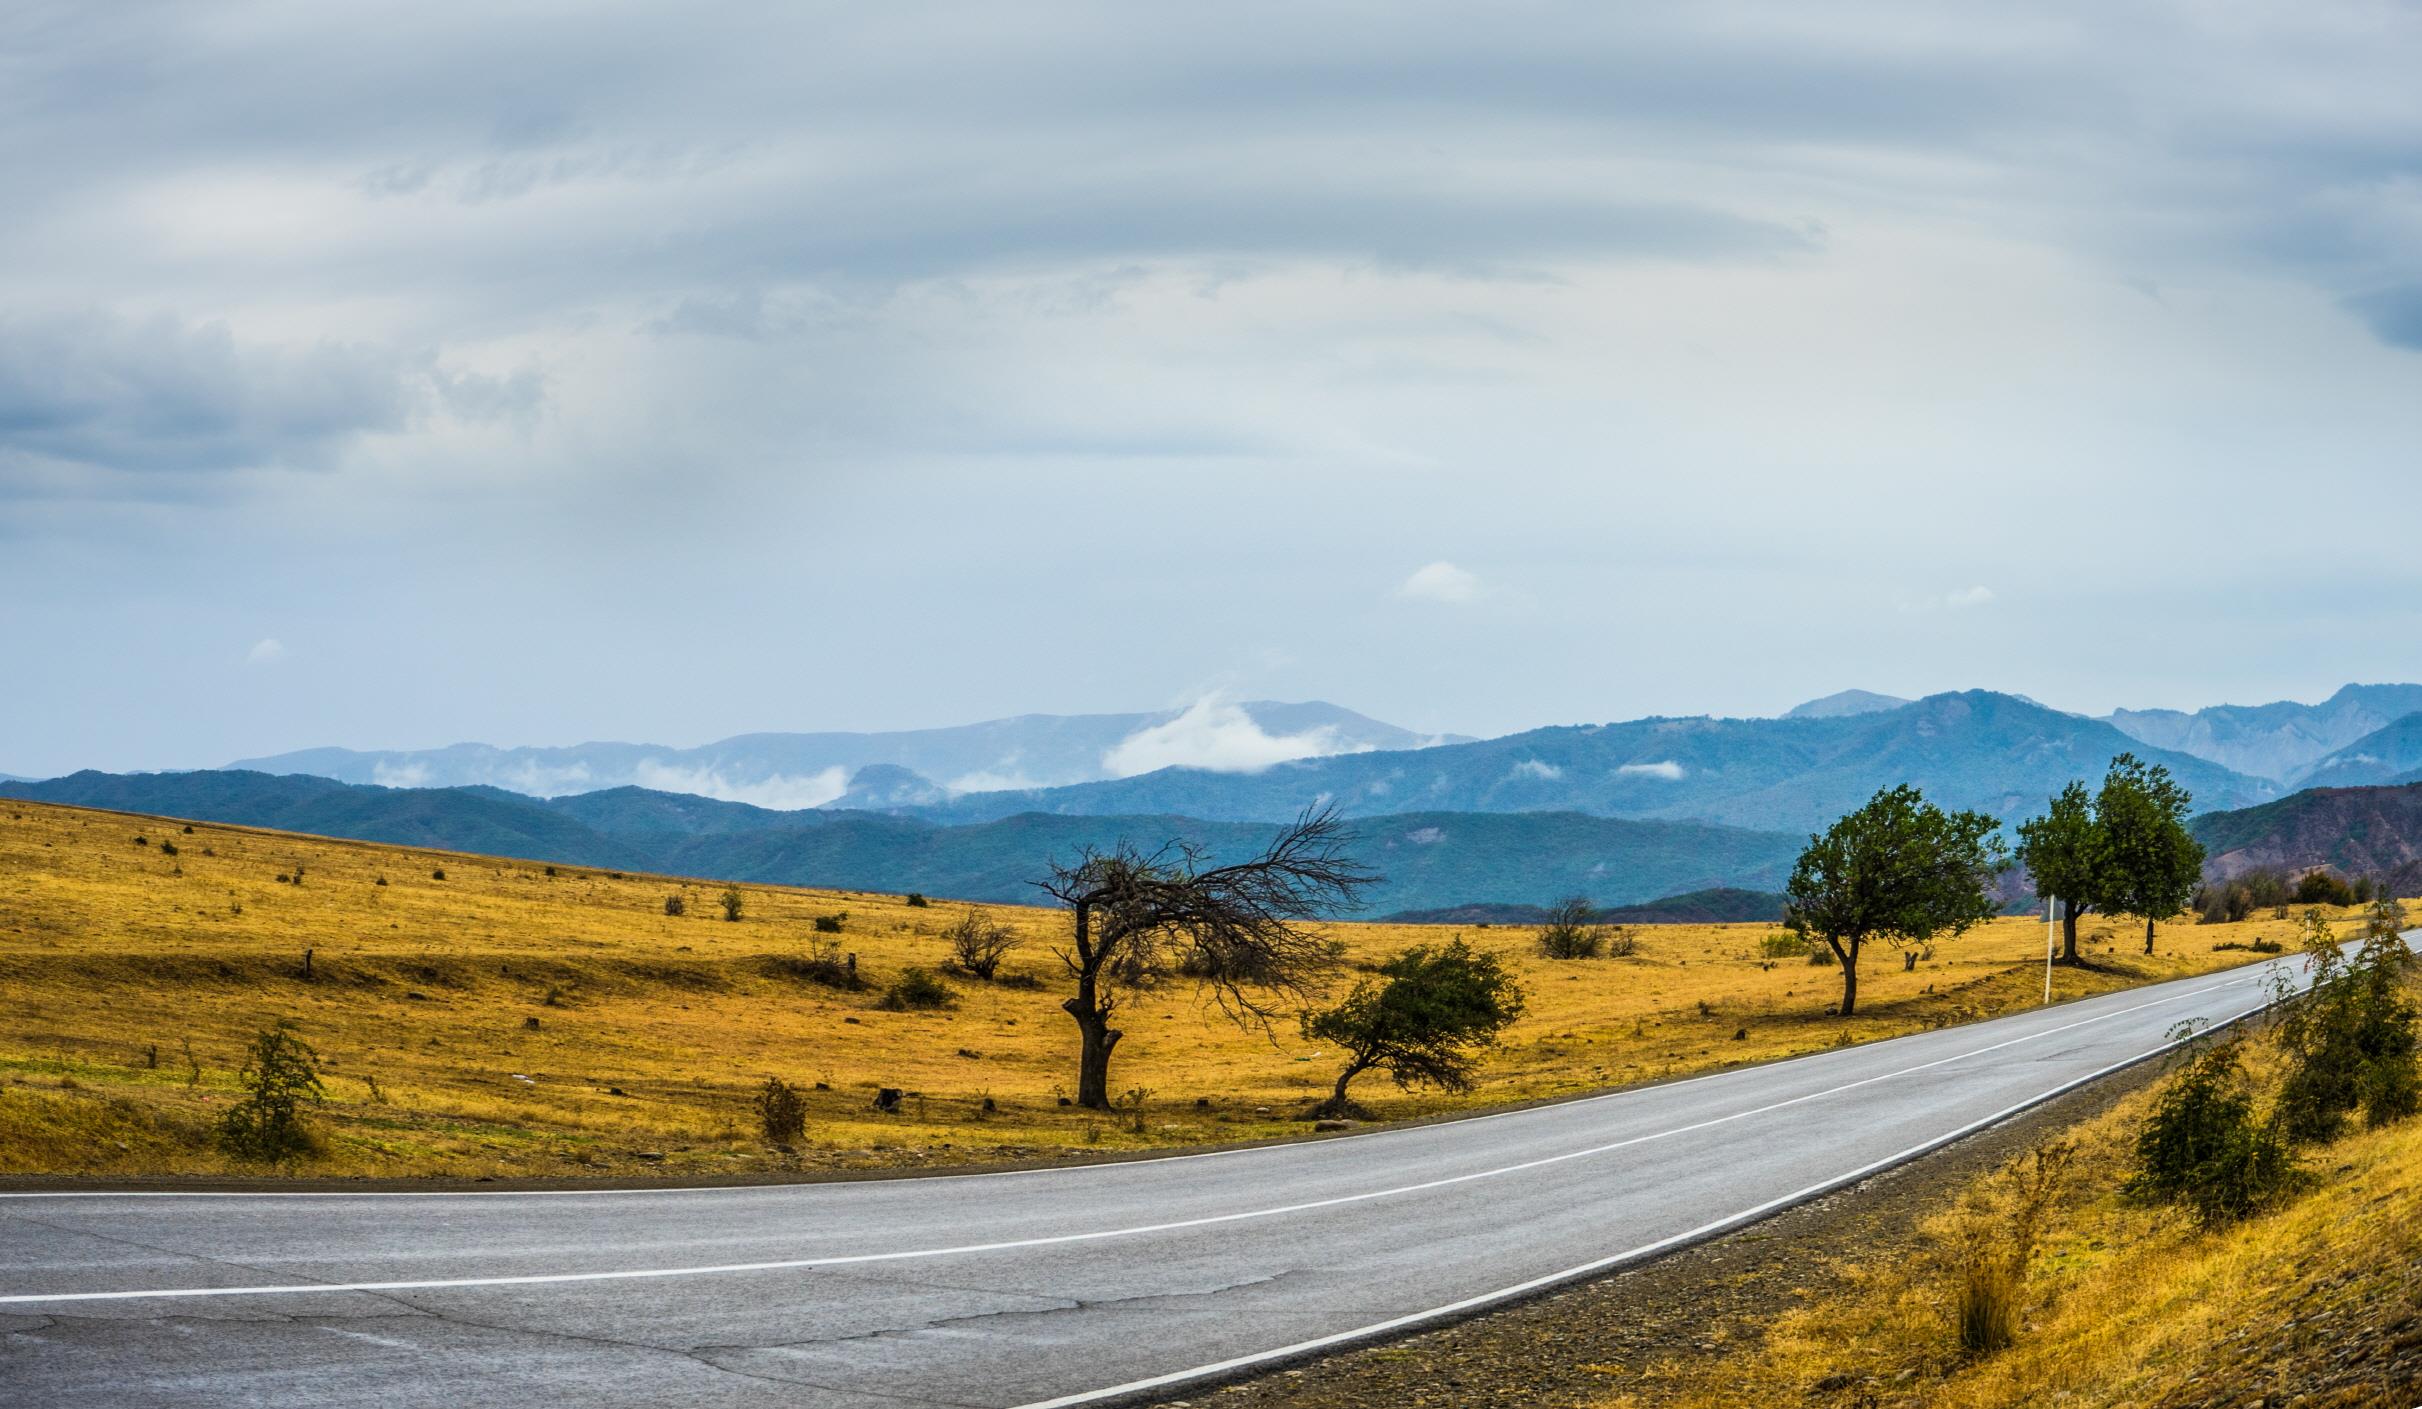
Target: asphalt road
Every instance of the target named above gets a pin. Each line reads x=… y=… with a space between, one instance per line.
x=1041 y=1287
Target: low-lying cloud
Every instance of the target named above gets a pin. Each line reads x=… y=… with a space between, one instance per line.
x=1220 y=737
x=782 y=792
x=1664 y=769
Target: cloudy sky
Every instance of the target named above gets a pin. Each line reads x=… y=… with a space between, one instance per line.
x=660 y=373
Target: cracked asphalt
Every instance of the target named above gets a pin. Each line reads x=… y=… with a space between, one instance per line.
x=996 y=1289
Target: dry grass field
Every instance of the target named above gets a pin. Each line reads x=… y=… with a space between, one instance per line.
x=511 y=1021
x=2317 y=1303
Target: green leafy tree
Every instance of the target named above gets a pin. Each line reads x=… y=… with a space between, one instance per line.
x=2068 y=853
x=280 y=1074
x=1426 y=1025
x=2153 y=862
x=1898 y=870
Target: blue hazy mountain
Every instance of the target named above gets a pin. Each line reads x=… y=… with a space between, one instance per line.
x=1431 y=860
x=803 y=770
x=2391 y=754
x=2284 y=741
x=1997 y=753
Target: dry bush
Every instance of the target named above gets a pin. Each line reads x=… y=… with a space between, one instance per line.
x=1998 y=1229
x=978 y=942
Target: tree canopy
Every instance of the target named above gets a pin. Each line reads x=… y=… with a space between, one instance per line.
x=1897 y=870
x=2067 y=852
x=2152 y=863
x=1425 y=1025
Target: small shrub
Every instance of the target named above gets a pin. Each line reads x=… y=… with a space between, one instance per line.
x=823 y=963
x=1782 y=945
x=380 y=881
x=168 y=848
x=914 y=901
x=978 y=943
x=731 y=900
x=917 y=990
x=438 y=875
x=280 y=1073
x=1622 y=942
x=674 y=905
x=1569 y=932
x=828 y=924
x=2202 y=1147
x=1820 y=956
x=550 y=870
x=781 y=1113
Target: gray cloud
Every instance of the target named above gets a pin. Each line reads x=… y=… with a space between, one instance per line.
x=798 y=336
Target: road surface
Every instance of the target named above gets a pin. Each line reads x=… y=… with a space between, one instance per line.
x=1061 y=1286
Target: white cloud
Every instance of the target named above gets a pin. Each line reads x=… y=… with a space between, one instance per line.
x=1534 y=768
x=1003 y=778
x=269 y=650
x=399 y=775
x=781 y=791
x=1968 y=597
x=1666 y=769
x=1216 y=735
x=1440 y=582
x=1425 y=836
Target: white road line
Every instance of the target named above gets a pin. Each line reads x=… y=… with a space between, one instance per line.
x=1098 y=1235
x=1703 y=1232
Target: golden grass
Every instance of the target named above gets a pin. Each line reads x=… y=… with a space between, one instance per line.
x=505 y=1021
x=2123 y=1305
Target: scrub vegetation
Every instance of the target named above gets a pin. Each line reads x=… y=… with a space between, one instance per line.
x=507 y=1022
x=2247 y=1231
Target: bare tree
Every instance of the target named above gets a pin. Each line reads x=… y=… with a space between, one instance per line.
x=1140 y=918
x=978 y=942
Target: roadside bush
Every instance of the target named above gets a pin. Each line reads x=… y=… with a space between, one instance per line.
x=2202 y=1147
x=2350 y=1040
x=280 y=1073
x=675 y=905
x=1996 y=1238
x=917 y=990
x=978 y=942
x=731 y=901
x=1569 y=933
x=781 y=1114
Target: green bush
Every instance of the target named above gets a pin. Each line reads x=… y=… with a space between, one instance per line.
x=1782 y=945
x=917 y=990
x=2203 y=1148
x=280 y=1073
x=731 y=901
x=828 y=924
x=781 y=1114
x=2350 y=1040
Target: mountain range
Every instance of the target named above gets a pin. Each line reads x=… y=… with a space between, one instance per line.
x=1429 y=859
x=2286 y=742
x=804 y=770
x=1997 y=753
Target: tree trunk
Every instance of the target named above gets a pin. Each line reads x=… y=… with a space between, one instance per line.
x=1850 y=977
x=2068 y=932
x=2148 y=934
x=1093 y=1056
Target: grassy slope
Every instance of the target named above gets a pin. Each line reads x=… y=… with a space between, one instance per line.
x=2318 y=1302
x=500 y=1011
